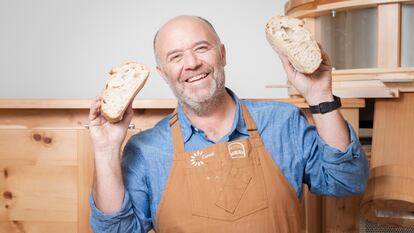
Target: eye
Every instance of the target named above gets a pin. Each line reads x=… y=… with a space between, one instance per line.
x=175 y=57
x=202 y=49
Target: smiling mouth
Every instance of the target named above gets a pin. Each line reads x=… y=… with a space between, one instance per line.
x=197 y=78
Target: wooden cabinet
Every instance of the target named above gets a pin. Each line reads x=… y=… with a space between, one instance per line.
x=33 y=164
x=46 y=163
x=370 y=44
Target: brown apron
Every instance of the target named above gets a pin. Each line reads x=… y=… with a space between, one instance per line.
x=227 y=187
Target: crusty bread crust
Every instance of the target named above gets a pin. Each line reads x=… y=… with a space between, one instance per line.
x=124 y=83
x=287 y=36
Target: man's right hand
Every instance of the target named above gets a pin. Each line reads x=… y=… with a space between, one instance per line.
x=108 y=189
x=107 y=136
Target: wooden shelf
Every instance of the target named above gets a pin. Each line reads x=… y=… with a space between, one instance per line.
x=311 y=8
x=79 y=103
x=138 y=104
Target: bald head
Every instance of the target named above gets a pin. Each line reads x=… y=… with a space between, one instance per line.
x=179 y=23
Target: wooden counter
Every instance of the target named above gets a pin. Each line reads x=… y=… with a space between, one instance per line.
x=46 y=161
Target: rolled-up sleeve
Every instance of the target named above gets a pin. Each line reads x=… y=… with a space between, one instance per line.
x=328 y=170
x=121 y=221
x=134 y=215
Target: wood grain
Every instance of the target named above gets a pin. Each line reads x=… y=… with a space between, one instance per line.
x=49 y=119
x=341 y=215
x=37 y=227
x=391 y=183
x=37 y=147
x=311 y=210
x=389 y=39
x=396 y=139
x=46 y=183
x=38 y=193
x=85 y=179
x=79 y=103
x=325 y=7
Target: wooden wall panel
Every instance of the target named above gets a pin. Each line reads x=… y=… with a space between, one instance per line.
x=341 y=215
x=311 y=207
x=37 y=147
x=39 y=193
x=69 y=119
x=37 y=227
x=85 y=179
x=395 y=139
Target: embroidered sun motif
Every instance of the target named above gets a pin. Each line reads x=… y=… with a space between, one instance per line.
x=196 y=159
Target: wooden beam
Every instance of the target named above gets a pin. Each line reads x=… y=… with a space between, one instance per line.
x=320 y=9
x=79 y=103
x=389 y=35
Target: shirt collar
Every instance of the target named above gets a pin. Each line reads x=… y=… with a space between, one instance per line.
x=188 y=129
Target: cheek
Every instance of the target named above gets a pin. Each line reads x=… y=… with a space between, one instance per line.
x=173 y=74
x=177 y=72
x=215 y=60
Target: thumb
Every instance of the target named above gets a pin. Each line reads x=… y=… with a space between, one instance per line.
x=129 y=113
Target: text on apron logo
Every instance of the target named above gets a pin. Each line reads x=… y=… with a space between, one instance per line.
x=197 y=158
x=236 y=150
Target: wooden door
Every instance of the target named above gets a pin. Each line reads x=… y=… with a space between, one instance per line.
x=38 y=181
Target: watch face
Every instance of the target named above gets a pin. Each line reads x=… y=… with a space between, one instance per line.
x=324 y=107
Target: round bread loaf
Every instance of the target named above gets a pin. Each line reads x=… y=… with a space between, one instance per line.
x=287 y=36
x=124 y=83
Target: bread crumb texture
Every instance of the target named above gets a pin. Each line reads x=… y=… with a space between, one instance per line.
x=288 y=36
x=123 y=84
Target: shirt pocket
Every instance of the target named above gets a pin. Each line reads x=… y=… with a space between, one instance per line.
x=227 y=191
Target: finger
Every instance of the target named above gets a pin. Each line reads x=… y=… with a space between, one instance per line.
x=129 y=113
x=287 y=66
x=325 y=64
x=95 y=109
x=325 y=58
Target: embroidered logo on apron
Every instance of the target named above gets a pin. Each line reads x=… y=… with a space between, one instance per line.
x=198 y=157
x=236 y=150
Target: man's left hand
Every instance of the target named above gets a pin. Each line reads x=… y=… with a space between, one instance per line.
x=316 y=87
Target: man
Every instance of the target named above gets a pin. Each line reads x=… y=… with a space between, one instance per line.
x=218 y=164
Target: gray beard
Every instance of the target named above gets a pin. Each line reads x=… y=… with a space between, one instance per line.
x=203 y=106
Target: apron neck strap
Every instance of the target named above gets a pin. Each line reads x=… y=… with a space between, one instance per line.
x=177 y=137
x=250 y=125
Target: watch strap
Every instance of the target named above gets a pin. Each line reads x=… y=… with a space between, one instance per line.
x=326 y=107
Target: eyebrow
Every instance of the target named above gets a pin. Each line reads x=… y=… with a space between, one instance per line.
x=179 y=50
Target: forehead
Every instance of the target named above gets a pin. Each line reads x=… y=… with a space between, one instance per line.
x=183 y=33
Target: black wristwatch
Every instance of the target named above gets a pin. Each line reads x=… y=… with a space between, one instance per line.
x=325 y=107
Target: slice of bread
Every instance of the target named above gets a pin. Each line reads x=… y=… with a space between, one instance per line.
x=124 y=83
x=287 y=36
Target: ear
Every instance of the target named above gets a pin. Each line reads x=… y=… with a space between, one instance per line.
x=223 y=54
x=161 y=72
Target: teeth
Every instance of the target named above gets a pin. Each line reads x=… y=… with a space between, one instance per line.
x=196 y=78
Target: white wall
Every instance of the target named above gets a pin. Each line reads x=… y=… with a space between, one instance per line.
x=63 y=49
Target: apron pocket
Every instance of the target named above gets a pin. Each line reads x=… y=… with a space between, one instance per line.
x=233 y=190
x=227 y=193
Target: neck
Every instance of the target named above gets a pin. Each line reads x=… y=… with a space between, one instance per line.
x=218 y=121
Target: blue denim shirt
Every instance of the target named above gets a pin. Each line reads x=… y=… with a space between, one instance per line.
x=294 y=145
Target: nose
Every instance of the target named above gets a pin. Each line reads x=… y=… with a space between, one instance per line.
x=191 y=61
